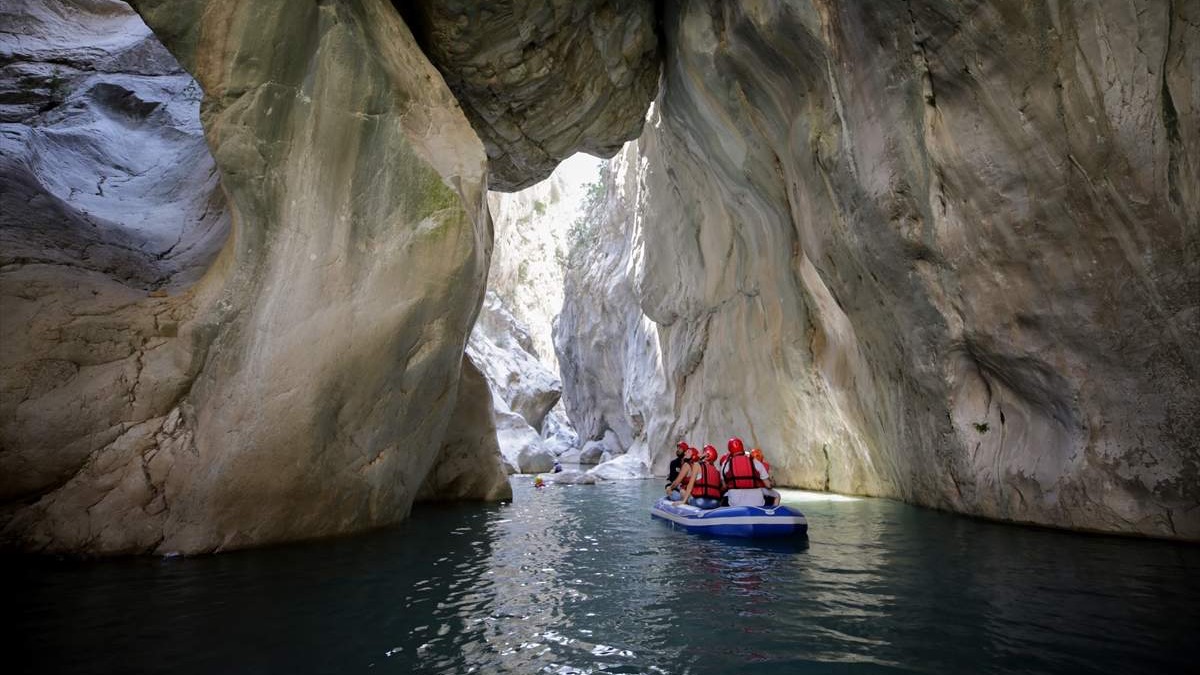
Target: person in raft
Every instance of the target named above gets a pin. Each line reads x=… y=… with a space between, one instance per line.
x=770 y=495
x=744 y=476
x=704 y=488
x=689 y=458
x=673 y=471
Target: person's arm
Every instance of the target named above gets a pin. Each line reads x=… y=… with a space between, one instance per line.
x=763 y=475
x=687 y=494
x=683 y=473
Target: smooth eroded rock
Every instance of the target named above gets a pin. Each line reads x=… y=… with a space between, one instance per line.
x=926 y=250
x=304 y=386
x=470 y=464
x=501 y=344
x=543 y=79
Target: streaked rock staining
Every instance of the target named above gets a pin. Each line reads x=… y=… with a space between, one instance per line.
x=943 y=252
x=304 y=384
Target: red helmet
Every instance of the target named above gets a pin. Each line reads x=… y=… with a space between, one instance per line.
x=756 y=454
x=682 y=445
x=710 y=453
x=735 y=446
x=693 y=454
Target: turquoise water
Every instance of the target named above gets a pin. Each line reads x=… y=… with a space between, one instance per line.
x=579 y=579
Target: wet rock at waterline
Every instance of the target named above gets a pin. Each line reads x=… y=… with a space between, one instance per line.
x=304 y=385
x=625 y=467
x=542 y=80
x=469 y=465
x=110 y=212
x=571 y=477
x=945 y=254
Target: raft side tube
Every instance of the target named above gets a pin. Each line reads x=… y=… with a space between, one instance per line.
x=733 y=521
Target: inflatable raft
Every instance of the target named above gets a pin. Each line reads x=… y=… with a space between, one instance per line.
x=733 y=521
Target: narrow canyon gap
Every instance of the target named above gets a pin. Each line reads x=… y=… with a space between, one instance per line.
x=940 y=252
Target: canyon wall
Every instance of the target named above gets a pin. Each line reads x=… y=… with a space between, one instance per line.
x=532 y=228
x=541 y=79
x=191 y=366
x=945 y=252
x=614 y=386
x=523 y=391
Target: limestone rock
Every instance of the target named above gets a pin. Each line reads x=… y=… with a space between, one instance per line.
x=543 y=79
x=613 y=389
x=532 y=228
x=569 y=477
x=535 y=460
x=570 y=456
x=625 y=467
x=557 y=433
x=592 y=452
x=110 y=210
x=469 y=465
x=513 y=334
x=601 y=450
x=522 y=389
x=933 y=251
x=501 y=344
x=304 y=385
x=520 y=445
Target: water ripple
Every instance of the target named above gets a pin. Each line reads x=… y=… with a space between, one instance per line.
x=580 y=580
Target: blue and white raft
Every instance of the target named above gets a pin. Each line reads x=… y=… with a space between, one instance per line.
x=733 y=521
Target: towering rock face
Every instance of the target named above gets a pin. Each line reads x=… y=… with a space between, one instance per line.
x=522 y=389
x=939 y=251
x=609 y=351
x=470 y=464
x=512 y=337
x=502 y=344
x=943 y=251
x=110 y=210
x=529 y=257
x=304 y=385
x=542 y=79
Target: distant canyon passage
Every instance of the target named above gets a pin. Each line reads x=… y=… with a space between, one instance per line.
x=940 y=251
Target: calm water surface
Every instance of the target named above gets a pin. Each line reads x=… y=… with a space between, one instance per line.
x=580 y=579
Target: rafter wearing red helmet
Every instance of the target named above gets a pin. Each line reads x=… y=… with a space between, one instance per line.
x=744 y=477
x=687 y=457
x=704 y=488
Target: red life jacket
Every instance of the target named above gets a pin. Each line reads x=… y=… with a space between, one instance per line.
x=708 y=481
x=740 y=474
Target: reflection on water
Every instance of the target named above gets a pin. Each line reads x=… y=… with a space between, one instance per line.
x=577 y=579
